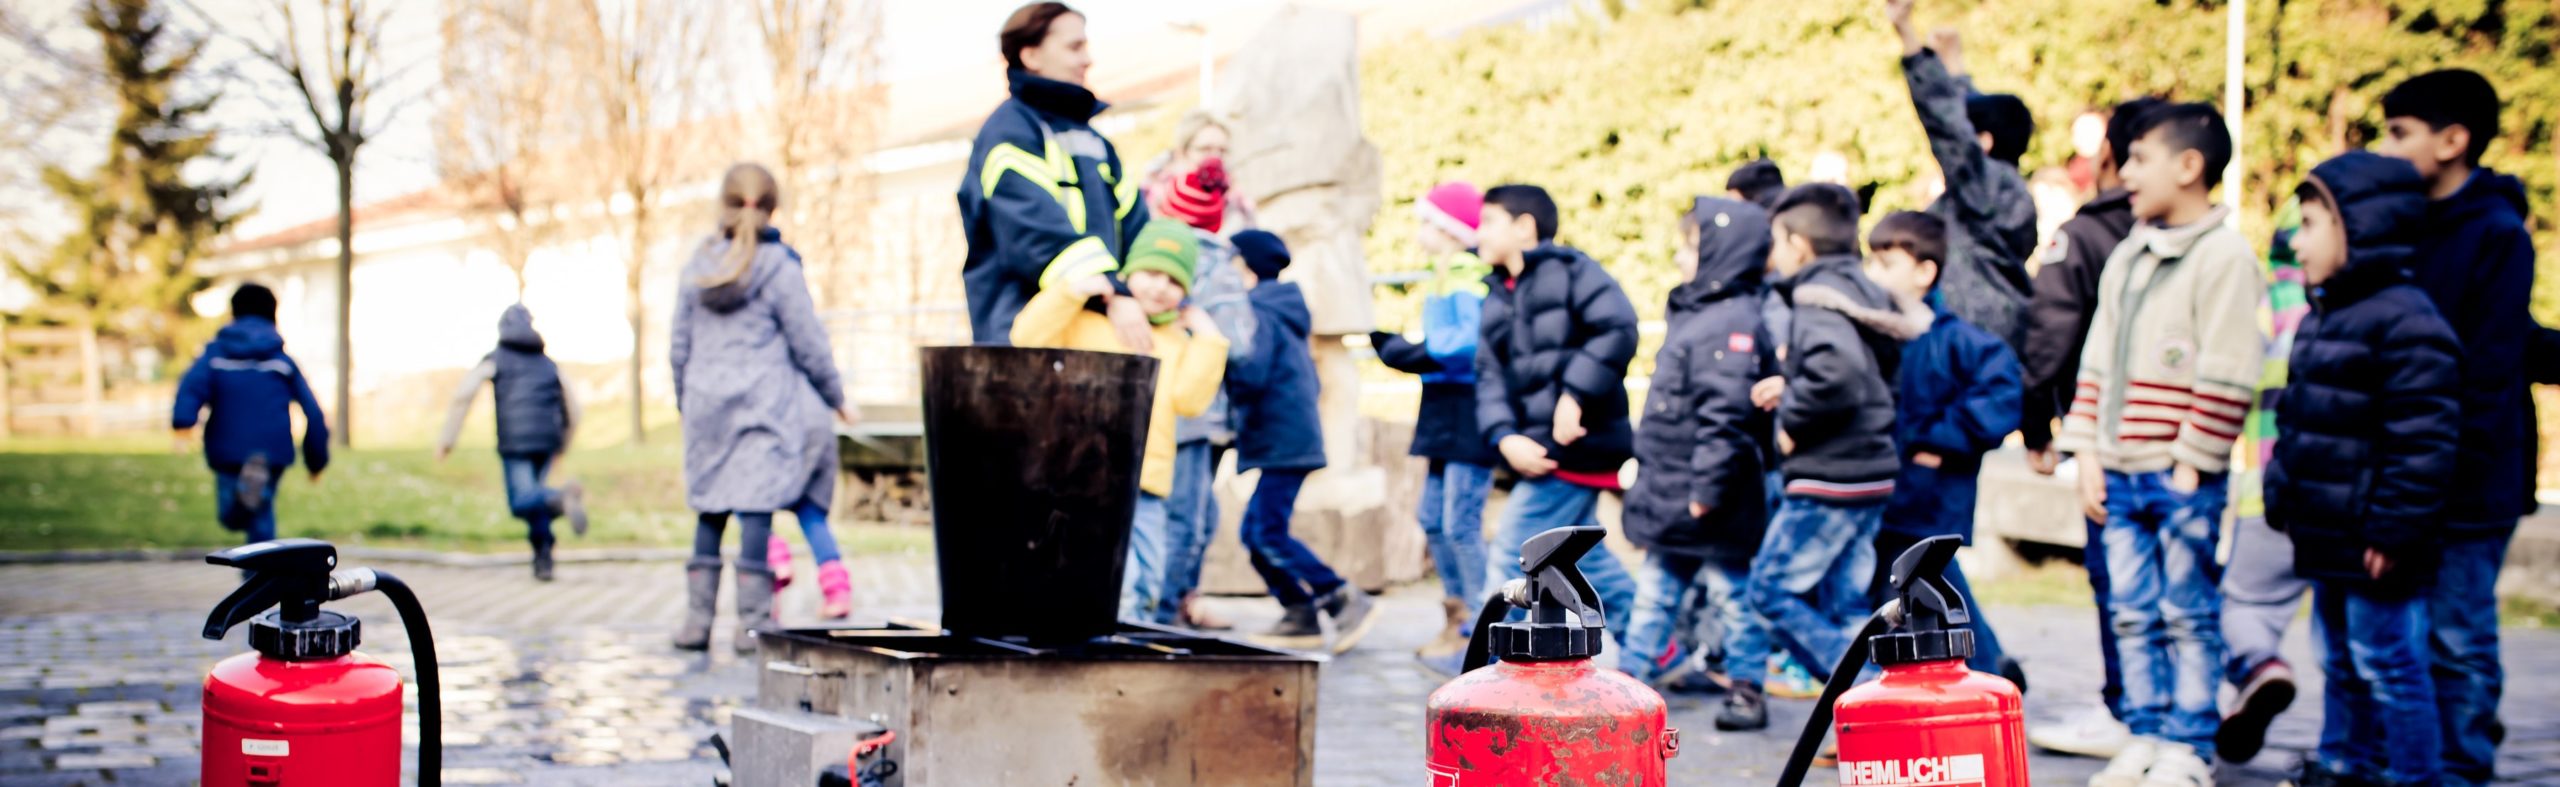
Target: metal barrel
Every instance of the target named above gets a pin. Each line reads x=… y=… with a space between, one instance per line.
x=1032 y=459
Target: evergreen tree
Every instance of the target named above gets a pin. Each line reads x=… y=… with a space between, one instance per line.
x=141 y=220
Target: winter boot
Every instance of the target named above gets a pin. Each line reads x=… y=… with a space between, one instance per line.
x=1297 y=630
x=702 y=598
x=1744 y=708
x=542 y=561
x=777 y=558
x=573 y=504
x=1349 y=607
x=837 y=587
x=755 y=607
x=1453 y=637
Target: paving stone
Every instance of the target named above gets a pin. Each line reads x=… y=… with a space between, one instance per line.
x=73 y=762
x=545 y=685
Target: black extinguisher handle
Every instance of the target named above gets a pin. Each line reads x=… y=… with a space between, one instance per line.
x=1480 y=644
x=1843 y=676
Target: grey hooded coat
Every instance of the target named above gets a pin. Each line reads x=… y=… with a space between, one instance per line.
x=756 y=382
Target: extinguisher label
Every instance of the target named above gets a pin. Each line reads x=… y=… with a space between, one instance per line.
x=1956 y=770
x=1442 y=775
x=265 y=748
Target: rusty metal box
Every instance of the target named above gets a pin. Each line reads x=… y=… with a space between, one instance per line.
x=1147 y=706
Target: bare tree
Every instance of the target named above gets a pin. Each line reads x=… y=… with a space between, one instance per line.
x=499 y=137
x=824 y=60
x=329 y=54
x=641 y=64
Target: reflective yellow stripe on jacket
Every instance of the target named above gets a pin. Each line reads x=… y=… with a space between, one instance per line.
x=1055 y=173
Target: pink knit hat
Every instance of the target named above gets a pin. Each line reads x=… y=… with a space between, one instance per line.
x=1454 y=207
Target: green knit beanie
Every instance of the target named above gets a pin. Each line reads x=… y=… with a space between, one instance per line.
x=1166 y=247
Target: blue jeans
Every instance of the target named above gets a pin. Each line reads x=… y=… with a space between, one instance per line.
x=1142 y=580
x=2378 y=720
x=2464 y=606
x=527 y=498
x=226 y=502
x=1292 y=571
x=1191 y=515
x=1815 y=552
x=813 y=526
x=1452 y=514
x=2166 y=598
x=754 y=529
x=1542 y=504
x=2093 y=558
x=1662 y=584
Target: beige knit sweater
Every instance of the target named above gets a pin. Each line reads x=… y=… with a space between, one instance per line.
x=2173 y=350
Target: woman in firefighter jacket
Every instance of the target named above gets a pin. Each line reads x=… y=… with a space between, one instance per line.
x=1045 y=200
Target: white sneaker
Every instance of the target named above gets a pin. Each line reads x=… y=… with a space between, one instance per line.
x=2178 y=766
x=2095 y=733
x=2127 y=768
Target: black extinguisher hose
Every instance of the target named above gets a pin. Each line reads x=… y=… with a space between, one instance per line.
x=1480 y=644
x=1843 y=675
x=422 y=651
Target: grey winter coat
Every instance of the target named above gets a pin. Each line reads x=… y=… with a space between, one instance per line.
x=1219 y=289
x=1991 y=217
x=756 y=382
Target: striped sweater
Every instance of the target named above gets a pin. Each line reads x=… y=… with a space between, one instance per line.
x=2173 y=352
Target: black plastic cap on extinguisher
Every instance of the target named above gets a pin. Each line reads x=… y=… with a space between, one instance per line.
x=1565 y=617
x=1932 y=624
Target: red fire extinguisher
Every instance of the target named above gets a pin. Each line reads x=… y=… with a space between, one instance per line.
x=1927 y=720
x=1546 y=714
x=306 y=708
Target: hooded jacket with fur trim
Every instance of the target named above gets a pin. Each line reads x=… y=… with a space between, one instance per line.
x=1843 y=349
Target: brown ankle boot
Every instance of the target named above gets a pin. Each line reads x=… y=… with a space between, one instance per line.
x=1453 y=635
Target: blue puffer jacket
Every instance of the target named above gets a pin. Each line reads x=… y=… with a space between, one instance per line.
x=2369 y=413
x=1562 y=327
x=1958 y=395
x=1044 y=200
x=2475 y=261
x=1275 y=390
x=250 y=384
x=1452 y=322
x=1700 y=439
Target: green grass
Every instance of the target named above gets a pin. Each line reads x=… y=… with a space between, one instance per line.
x=136 y=493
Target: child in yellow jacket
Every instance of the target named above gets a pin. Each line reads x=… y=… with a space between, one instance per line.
x=1193 y=363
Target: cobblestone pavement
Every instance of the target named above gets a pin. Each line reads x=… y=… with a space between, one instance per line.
x=571 y=683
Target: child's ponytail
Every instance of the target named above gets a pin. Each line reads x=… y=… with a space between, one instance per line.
x=748 y=197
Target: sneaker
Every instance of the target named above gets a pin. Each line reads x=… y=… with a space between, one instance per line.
x=1699 y=681
x=542 y=562
x=1349 y=607
x=2096 y=733
x=1791 y=681
x=251 y=496
x=2128 y=767
x=2178 y=766
x=1297 y=630
x=1829 y=757
x=573 y=503
x=2268 y=692
x=1744 y=709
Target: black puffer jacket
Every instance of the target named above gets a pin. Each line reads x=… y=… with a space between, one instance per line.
x=1842 y=354
x=1563 y=325
x=1700 y=439
x=2369 y=414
